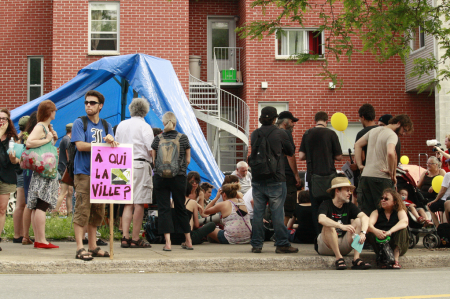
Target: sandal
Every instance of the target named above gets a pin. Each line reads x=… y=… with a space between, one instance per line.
x=396 y=266
x=83 y=255
x=184 y=246
x=27 y=241
x=125 y=243
x=96 y=254
x=139 y=244
x=359 y=264
x=421 y=220
x=340 y=264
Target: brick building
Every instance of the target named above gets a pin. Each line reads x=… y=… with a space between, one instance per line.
x=46 y=42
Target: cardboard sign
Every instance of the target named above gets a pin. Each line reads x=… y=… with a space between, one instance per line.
x=112 y=174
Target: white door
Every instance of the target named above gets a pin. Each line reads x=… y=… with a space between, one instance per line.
x=221 y=34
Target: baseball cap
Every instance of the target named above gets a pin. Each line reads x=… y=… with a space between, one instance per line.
x=385 y=119
x=287 y=114
x=23 y=121
x=269 y=112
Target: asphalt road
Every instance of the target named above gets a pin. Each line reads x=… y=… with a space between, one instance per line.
x=393 y=284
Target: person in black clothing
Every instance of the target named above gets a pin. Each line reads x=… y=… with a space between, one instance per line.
x=176 y=185
x=286 y=121
x=304 y=233
x=271 y=190
x=320 y=147
x=389 y=220
x=341 y=220
x=8 y=164
x=66 y=190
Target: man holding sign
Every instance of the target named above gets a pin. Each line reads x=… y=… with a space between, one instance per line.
x=85 y=132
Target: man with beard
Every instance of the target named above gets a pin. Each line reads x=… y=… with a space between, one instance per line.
x=286 y=121
x=341 y=219
x=381 y=161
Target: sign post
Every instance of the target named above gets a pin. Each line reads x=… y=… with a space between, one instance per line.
x=111 y=179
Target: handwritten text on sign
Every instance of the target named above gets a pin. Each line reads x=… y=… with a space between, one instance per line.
x=112 y=174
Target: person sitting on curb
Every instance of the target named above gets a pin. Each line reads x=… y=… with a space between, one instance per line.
x=339 y=216
x=389 y=220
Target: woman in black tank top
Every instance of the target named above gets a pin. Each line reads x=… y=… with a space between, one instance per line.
x=389 y=220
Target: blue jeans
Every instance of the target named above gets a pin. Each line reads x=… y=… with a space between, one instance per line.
x=273 y=193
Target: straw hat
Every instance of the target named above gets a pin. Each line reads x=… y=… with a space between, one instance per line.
x=340 y=182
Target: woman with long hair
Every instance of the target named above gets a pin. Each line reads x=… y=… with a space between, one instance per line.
x=8 y=164
x=43 y=192
x=389 y=220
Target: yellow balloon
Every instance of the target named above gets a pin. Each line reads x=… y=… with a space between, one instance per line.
x=436 y=183
x=404 y=160
x=339 y=121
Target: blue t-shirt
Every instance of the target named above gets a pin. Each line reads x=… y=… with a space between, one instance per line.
x=93 y=134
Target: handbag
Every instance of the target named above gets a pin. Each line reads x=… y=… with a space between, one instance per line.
x=66 y=178
x=43 y=160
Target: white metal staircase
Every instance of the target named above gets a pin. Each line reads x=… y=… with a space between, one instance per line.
x=228 y=116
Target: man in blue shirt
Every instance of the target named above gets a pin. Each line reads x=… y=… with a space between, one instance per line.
x=87 y=214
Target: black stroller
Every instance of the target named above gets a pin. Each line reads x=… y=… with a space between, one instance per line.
x=431 y=238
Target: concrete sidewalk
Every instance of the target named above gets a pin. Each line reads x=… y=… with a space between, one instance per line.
x=18 y=258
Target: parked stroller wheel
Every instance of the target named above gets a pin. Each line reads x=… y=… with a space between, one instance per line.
x=430 y=241
x=412 y=240
x=417 y=238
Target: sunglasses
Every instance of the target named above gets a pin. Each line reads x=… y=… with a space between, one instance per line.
x=92 y=103
x=384 y=198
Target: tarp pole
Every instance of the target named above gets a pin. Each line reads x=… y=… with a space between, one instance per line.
x=125 y=87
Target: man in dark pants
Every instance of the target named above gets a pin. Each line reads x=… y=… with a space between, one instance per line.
x=286 y=121
x=270 y=190
x=320 y=147
x=381 y=161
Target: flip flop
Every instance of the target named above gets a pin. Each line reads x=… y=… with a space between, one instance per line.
x=165 y=249
x=183 y=245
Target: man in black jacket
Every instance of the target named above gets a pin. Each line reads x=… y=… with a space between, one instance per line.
x=271 y=190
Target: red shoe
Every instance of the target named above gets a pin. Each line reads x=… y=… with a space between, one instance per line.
x=45 y=246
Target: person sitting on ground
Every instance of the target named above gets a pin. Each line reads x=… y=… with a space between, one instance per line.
x=207 y=190
x=197 y=193
x=235 y=217
x=419 y=213
x=389 y=220
x=424 y=184
x=198 y=232
x=341 y=219
x=437 y=205
x=245 y=177
x=304 y=232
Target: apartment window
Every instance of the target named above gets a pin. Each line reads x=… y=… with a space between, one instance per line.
x=280 y=106
x=104 y=27
x=418 y=39
x=299 y=41
x=347 y=139
x=35 y=77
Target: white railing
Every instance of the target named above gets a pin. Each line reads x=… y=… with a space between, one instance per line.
x=234 y=111
x=203 y=96
x=226 y=58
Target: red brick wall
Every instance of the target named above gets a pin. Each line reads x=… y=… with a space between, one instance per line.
x=365 y=81
x=26 y=31
x=154 y=27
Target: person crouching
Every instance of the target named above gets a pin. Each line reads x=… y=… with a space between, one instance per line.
x=341 y=219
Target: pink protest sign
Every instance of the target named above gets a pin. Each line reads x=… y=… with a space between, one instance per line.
x=112 y=174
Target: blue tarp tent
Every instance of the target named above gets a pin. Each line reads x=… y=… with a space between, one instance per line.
x=116 y=77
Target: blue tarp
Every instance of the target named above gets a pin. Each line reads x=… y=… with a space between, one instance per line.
x=152 y=78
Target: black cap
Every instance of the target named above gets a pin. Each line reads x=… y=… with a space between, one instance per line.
x=287 y=114
x=385 y=119
x=269 y=112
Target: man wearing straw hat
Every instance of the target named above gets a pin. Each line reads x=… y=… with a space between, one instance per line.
x=341 y=221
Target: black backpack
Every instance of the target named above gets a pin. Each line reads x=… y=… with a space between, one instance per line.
x=151 y=231
x=262 y=160
x=72 y=149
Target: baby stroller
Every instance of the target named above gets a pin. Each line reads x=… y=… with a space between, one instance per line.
x=430 y=236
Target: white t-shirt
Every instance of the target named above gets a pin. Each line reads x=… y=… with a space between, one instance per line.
x=139 y=133
x=246 y=183
x=247 y=199
x=446 y=184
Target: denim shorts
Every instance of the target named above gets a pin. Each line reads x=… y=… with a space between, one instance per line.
x=20 y=180
x=221 y=237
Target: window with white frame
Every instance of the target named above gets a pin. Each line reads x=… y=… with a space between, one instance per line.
x=348 y=137
x=104 y=24
x=418 y=39
x=280 y=106
x=299 y=41
x=35 y=77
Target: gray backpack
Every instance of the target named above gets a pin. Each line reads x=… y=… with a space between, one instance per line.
x=167 y=157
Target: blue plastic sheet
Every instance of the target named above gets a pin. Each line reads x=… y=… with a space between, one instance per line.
x=154 y=79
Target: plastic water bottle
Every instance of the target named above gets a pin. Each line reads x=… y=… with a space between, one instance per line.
x=11 y=144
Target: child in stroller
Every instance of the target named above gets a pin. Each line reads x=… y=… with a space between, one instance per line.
x=418 y=213
x=416 y=225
